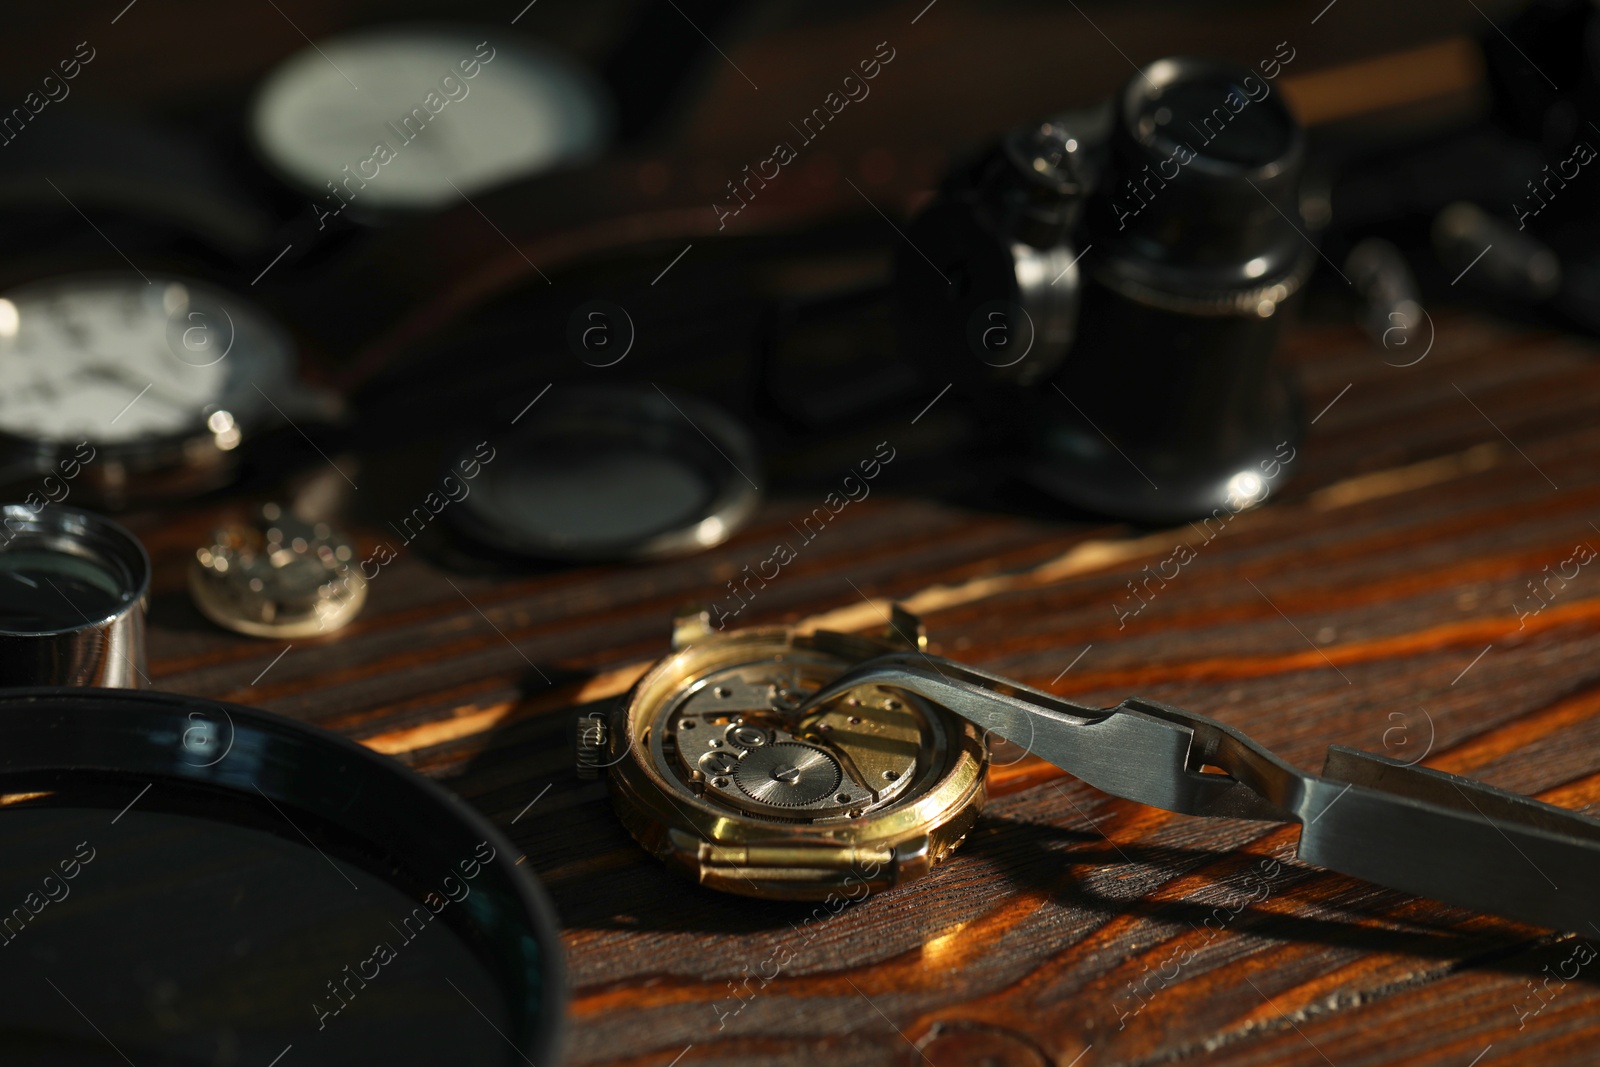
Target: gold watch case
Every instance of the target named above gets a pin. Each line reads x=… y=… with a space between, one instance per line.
x=714 y=771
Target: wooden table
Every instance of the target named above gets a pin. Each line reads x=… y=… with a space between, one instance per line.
x=1376 y=603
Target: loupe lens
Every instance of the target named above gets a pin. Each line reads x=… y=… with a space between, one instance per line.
x=72 y=591
x=1220 y=120
x=46 y=591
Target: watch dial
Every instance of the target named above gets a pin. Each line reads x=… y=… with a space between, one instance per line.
x=413 y=119
x=113 y=359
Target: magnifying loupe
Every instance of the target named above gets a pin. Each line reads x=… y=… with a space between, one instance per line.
x=73 y=587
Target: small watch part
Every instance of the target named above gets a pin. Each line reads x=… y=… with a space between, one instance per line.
x=277 y=577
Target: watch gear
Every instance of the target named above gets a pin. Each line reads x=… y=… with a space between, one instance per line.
x=789 y=774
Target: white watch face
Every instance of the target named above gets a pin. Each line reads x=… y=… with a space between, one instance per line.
x=412 y=119
x=113 y=359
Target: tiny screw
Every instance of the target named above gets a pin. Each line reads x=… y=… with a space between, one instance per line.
x=890 y=776
x=747 y=736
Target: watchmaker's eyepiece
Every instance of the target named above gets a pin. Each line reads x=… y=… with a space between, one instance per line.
x=1170 y=405
x=1137 y=373
x=72 y=598
x=1206 y=166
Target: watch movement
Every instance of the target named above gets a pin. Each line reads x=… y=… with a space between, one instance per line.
x=716 y=769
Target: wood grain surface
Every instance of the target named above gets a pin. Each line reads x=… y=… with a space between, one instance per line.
x=1372 y=604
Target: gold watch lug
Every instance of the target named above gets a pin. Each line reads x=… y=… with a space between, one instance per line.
x=690 y=625
x=912 y=858
x=906 y=629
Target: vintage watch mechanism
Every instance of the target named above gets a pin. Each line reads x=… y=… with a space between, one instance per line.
x=720 y=768
x=277 y=577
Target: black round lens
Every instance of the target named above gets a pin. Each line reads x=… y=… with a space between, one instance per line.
x=43 y=591
x=213 y=885
x=212 y=936
x=72 y=592
x=612 y=473
x=598 y=494
x=1219 y=119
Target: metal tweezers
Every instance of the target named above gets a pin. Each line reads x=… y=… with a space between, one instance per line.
x=1410 y=828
